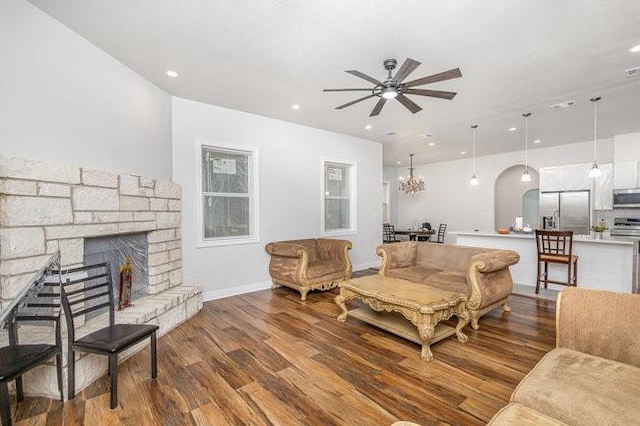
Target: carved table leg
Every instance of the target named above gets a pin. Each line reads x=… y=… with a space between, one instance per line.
x=340 y=300
x=463 y=320
x=426 y=334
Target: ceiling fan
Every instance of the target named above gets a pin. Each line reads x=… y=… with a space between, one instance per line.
x=393 y=86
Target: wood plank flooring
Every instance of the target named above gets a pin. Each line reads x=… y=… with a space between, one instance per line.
x=267 y=358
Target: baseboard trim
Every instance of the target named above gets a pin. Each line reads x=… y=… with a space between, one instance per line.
x=235 y=291
x=250 y=288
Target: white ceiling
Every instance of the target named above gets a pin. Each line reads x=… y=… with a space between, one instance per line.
x=263 y=56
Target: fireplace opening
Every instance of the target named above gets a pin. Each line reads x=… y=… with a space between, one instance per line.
x=126 y=254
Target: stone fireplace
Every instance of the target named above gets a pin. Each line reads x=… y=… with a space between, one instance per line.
x=47 y=208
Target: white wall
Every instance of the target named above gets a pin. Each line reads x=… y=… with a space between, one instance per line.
x=390 y=174
x=64 y=100
x=290 y=176
x=448 y=197
x=508 y=193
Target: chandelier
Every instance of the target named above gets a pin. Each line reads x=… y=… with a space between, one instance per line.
x=411 y=185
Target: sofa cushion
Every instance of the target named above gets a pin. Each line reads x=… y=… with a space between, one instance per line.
x=518 y=414
x=416 y=274
x=324 y=268
x=449 y=280
x=448 y=257
x=582 y=389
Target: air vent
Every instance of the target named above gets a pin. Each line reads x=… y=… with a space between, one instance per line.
x=633 y=72
x=563 y=105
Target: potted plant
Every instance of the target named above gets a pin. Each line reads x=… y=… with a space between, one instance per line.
x=599 y=228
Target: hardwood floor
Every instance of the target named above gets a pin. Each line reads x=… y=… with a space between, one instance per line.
x=266 y=358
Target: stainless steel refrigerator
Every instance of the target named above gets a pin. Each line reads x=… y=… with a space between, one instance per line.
x=566 y=211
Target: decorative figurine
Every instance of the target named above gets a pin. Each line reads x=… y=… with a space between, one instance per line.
x=124 y=294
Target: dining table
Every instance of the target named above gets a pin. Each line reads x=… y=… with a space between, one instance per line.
x=415 y=233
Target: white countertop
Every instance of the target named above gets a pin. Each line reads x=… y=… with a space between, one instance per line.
x=607 y=239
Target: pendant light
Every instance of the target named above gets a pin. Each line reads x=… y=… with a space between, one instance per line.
x=526 y=177
x=474 y=178
x=595 y=170
x=411 y=185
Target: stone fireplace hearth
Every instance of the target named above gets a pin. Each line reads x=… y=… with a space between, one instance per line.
x=46 y=208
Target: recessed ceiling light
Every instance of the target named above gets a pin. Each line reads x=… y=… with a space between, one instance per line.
x=431 y=143
x=463 y=152
x=171 y=73
x=295 y=106
x=512 y=129
x=536 y=141
x=399 y=162
x=635 y=49
x=368 y=127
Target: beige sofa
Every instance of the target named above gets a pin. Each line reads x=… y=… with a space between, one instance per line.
x=481 y=274
x=592 y=377
x=309 y=264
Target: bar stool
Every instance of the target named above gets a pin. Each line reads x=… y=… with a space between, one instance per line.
x=556 y=247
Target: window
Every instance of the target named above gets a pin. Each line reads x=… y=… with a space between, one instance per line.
x=339 y=198
x=228 y=196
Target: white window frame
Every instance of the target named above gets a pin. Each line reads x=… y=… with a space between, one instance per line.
x=254 y=221
x=353 y=197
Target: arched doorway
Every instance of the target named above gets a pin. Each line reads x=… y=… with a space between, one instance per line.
x=515 y=198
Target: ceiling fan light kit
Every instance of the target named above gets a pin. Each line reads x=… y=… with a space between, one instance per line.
x=394 y=87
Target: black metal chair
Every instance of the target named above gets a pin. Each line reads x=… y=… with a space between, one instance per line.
x=442 y=230
x=39 y=304
x=388 y=233
x=425 y=226
x=84 y=291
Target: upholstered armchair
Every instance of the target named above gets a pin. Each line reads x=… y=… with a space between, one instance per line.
x=309 y=264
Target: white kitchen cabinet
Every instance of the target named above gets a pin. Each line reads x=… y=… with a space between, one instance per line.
x=552 y=178
x=576 y=177
x=625 y=174
x=572 y=177
x=603 y=188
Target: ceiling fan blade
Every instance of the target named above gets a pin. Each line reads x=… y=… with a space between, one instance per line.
x=364 y=76
x=446 y=75
x=407 y=68
x=408 y=103
x=345 y=90
x=354 y=102
x=376 y=109
x=433 y=93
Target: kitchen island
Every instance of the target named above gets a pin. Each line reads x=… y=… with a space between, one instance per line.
x=606 y=264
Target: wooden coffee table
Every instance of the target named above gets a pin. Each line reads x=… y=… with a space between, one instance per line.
x=420 y=304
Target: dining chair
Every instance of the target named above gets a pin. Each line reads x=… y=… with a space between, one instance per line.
x=84 y=292
x=388 y=233
x=442 y=230
x=556 y=247
x=425 y=226
x=38 y=308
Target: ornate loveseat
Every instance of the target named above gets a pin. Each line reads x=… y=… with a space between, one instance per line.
x=592 y=377
x=309 y=264
x=479 y=273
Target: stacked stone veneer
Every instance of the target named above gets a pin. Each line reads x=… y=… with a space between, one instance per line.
x=46 y=208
